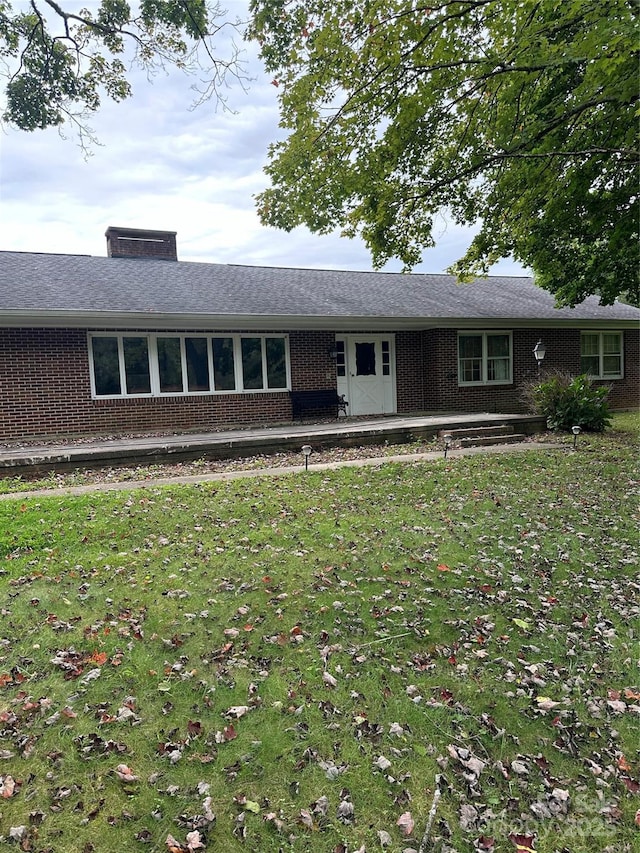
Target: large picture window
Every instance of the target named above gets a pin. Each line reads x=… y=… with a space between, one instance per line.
x=484 y=358
x=124 y=365
x=601 y=354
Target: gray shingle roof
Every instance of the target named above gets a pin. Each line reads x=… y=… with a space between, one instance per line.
x=80 y=289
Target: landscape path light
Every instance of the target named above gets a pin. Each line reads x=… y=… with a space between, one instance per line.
x=576 y=430
x=306 y=450
x=447 y=438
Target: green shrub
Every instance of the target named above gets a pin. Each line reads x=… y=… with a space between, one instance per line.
x=567 y=401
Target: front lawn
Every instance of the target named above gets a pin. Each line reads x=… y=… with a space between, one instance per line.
x=436 y=656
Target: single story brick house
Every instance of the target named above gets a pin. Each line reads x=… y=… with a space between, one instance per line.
x=138 y=341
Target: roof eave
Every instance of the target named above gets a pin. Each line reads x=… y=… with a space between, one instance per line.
x=14 y=318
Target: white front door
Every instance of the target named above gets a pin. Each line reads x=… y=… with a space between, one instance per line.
x=368 y=380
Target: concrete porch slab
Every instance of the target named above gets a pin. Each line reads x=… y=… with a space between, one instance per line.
x=30 y=458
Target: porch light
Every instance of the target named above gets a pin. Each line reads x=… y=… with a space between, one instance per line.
x=306 y=450
x=576 y=430
x=332 y=352
x=539 y=352
x=447 y=438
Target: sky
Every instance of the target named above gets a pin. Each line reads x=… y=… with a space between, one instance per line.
x=161 y=164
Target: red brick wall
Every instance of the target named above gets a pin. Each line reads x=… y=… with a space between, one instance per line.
x=312 y=367
x=411 y=377
x=442 y=391
x=45 y=391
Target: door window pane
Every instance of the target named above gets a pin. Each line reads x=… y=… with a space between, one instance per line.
x=276 y=363
x=341 y=361
x=136 y=365
x=106 y=366
x=386 y=358
x=251 y=363
x=197 y=364
x=223 y=370
x=170 y=365
x=365 y=358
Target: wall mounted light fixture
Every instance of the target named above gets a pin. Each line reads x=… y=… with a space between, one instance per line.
x=539 y=352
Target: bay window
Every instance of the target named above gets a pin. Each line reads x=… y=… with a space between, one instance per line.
x=484 y=358
x=124 y=365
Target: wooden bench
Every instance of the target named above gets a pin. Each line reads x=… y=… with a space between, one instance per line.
x=323 y=398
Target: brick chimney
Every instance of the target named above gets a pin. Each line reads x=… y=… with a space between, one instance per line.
x=141 y=243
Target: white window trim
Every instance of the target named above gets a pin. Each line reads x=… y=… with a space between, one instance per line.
x=485 y=359
x=601 y=354
x=152 y=339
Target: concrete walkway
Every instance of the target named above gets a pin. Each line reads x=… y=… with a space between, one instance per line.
x=194 y=479
x=28 y=457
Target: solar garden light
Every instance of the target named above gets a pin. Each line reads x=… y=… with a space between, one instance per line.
x=447 y=438
x=539 y=352
x=306 y=449
x=576 y=430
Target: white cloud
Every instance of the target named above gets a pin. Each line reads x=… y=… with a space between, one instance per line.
x=163 y=165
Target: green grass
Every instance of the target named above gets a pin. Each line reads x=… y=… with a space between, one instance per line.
x=405 y=613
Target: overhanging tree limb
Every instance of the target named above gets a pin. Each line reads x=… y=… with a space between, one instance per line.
x=59 y=63
x=516 y=115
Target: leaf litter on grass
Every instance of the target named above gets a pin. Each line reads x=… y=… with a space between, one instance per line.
x=310 y=664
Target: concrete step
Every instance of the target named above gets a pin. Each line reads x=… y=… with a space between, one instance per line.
x=479 y=431
x=489 y=440
x=483 y=436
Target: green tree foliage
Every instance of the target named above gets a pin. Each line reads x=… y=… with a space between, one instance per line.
x=58 y=63
x=518 y=115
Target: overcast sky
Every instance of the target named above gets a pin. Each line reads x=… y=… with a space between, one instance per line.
x=163 y=165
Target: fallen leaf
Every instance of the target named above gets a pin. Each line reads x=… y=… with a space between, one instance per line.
x=305 y=818
x=345 y=811
x=17 y=833
x=125 y=773
x=7 y=787
x=329 y=680
x=523 y=843
x=194 y=841
x=237 y=711
x=173 y=845
x=406 y=823
x=382 y=763
x=384 y=838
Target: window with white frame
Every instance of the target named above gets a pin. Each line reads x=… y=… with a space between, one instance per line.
x=126 y=365
x=484 y=358
x=601 y=354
